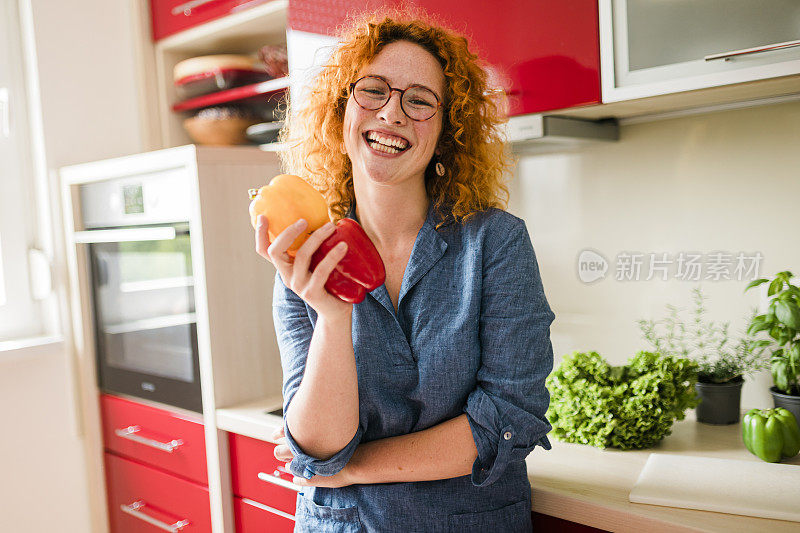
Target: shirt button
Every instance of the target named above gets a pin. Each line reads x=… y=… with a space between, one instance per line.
x=507 y=435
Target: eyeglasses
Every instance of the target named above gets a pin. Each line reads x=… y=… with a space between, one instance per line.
x=417 y=102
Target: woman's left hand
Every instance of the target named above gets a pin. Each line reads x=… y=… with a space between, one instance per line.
x=284 y=454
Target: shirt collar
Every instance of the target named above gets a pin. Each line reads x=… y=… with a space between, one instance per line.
x=429 y=247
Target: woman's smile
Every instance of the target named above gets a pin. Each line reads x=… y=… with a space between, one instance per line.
x=386 y=144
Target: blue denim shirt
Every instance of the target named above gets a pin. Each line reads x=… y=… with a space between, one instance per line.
x=471 y=335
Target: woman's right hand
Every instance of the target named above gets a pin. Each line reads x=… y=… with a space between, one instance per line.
x=310 y=286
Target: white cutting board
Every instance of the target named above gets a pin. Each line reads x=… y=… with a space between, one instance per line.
x=752 y=488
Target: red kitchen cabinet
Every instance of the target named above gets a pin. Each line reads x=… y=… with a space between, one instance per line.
x=544 y=54
x=252 y=516
x=159 y=438
x=142 y=499
x=172 y=16
x=257 y=475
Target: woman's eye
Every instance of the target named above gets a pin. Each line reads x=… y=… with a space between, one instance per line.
x=420 y=103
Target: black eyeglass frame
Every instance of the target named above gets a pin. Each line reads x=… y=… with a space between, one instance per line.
x=402 y=92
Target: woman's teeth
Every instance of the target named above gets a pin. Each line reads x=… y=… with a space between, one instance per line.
x=386 y=144
x=381 y=148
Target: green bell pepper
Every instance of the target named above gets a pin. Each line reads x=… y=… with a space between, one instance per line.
x=771 y=434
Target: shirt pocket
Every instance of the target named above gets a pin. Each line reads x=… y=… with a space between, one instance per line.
x=314 y=518
x=514 y=518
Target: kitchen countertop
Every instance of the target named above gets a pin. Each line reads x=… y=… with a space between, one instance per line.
x=590 y=485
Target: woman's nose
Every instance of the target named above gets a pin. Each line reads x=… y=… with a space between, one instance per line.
x=392 y=111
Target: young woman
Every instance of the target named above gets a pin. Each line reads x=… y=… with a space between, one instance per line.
x=415 y=409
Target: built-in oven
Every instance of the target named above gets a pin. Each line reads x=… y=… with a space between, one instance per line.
x=142 y=287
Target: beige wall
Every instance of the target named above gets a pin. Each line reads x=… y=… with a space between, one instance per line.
x=724 y=181
x=89 y=110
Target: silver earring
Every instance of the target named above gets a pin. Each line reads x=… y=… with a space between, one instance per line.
x=439 y=169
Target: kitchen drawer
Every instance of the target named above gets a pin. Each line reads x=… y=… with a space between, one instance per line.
x=172 y=16
x=252 y=516
x=257 y=475
x=157 y=437
x=143 y=499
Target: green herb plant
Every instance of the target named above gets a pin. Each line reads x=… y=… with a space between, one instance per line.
x=782 y=323
x=720 y=359
x=627 y=407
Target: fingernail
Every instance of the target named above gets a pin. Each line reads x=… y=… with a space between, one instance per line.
x=301 y=223
x=341 y=246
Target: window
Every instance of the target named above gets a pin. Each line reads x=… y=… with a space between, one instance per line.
x=22 y=295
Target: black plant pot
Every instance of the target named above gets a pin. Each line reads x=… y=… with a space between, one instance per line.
x=719 y=402
x=788 y=401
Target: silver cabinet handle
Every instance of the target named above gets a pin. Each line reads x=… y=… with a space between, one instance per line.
x=186 y=8
x=276 y=480
x=746 y=51
x=130 y=433
x=134 y=510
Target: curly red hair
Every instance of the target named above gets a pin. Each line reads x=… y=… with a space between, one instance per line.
x=472 y=146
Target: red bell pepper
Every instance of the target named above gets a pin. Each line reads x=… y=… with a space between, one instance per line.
x=361 y=269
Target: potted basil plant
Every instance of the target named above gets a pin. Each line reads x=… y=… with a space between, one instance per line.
x=782 y=324
x=723 y=361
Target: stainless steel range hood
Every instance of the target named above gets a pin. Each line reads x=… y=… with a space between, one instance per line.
x=538 y=133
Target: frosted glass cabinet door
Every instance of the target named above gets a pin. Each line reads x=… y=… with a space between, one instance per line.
x=651 y=47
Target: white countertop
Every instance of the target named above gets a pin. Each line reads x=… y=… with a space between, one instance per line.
x=590 y=485
x=252 y=419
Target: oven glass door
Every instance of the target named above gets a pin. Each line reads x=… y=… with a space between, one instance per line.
x=143 y=293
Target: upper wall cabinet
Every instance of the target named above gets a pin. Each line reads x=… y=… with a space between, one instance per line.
x=172 y=16
x=651 y=48
x=544 y=54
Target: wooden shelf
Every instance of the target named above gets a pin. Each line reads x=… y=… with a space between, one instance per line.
x=234 y=95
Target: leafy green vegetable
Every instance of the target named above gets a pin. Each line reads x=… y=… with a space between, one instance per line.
x=631 y=406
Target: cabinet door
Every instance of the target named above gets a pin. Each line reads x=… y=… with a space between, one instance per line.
x=652 y=48
x=544 y=54
x=257 y=475
x=157 y=437
x=252 y=516
x=172 y=16
x=146 y=500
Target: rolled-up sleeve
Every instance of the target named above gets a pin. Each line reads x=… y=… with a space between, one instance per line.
x=294 y=329
x=506 y=410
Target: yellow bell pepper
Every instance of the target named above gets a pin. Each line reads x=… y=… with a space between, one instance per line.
x=284 y=201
